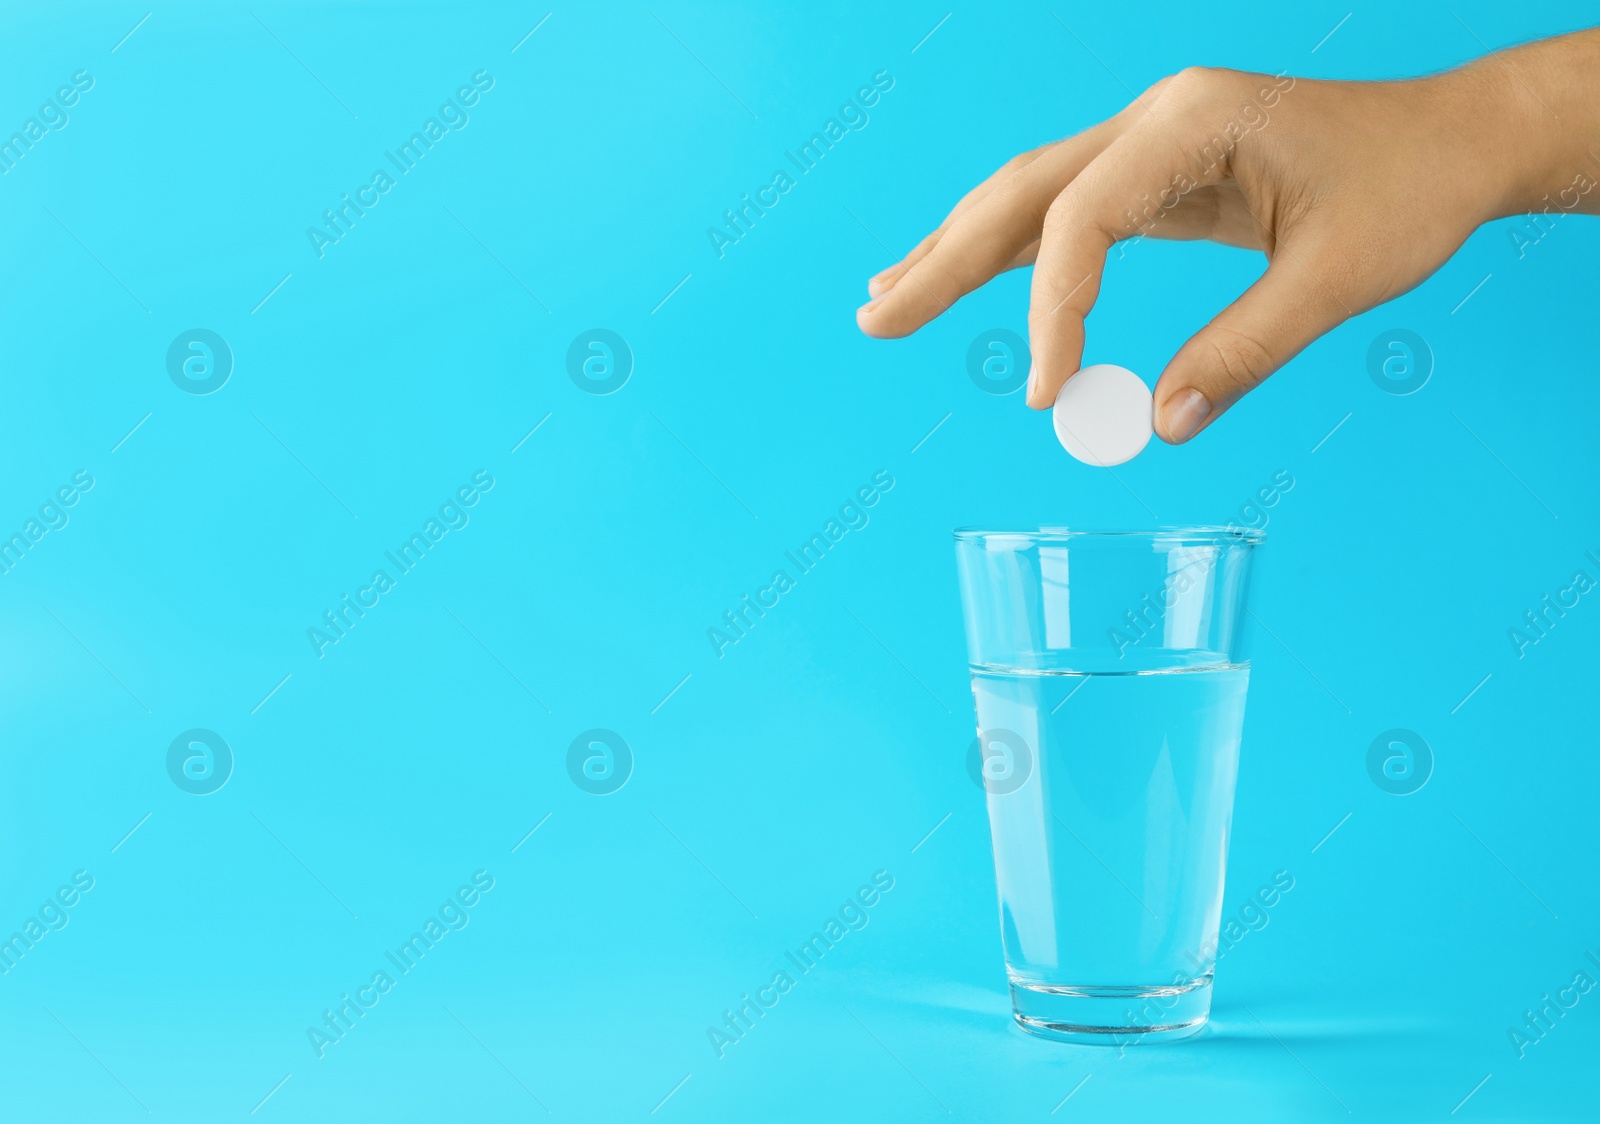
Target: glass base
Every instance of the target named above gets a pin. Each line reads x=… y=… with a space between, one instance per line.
x=1112 y=1016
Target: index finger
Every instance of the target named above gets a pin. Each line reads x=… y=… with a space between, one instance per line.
x=1122 y=191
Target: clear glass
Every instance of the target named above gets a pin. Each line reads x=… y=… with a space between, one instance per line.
x=1110 y=692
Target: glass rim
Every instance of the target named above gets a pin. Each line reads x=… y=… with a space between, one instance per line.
x=1194 y=534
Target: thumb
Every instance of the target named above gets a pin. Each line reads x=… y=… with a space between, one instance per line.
x=1272 y=321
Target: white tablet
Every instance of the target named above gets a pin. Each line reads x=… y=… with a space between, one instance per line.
x=1104 y=415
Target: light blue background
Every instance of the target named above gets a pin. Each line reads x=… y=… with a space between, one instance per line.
x=831 y=741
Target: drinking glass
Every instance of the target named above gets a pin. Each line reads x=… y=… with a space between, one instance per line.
x=1110 y=687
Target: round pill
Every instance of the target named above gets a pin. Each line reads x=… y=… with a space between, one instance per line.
x=1104 y=415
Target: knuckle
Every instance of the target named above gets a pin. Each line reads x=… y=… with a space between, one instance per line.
x=1197 y=83
x=1013 y=175
x=1241 y=360
x=1065 y=210
x=1153 y=91
x=1014 y=165
x=1021 y=180
x=945 y=274
x=1076 y=217
x=1193 y=76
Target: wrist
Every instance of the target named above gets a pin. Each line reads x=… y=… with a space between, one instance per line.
x=1534 y=114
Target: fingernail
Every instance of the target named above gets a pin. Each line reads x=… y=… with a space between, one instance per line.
x=1183 y=416
x=878 y=286
x=872 y=304
x=1033 y=383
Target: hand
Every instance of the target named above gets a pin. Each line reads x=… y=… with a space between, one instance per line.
x=1355 y=191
